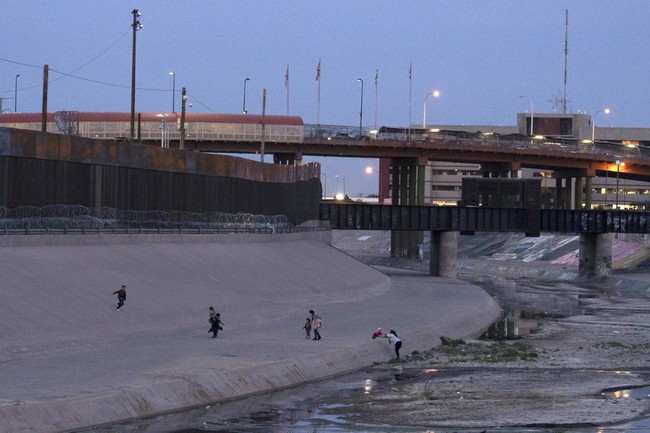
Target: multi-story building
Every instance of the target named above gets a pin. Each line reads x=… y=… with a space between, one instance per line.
x=443 y=180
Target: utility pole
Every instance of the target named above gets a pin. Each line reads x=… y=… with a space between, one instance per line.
x=262 y=144
x=182 y=129
x=44 y=109
x=15 y=95
x=566 y=55
x=136 y=26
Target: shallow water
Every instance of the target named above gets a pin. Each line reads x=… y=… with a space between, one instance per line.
x=308 y=409
x=316 y=408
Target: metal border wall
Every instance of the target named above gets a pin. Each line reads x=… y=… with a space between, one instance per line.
x=39 y=169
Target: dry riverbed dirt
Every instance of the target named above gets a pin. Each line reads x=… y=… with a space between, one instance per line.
x=582 y=362
x=578 y=353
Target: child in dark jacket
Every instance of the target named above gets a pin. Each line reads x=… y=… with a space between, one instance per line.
x=307 y=328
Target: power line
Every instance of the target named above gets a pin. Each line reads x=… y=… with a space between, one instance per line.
x=76 y=77
x=103 y=52
x=200 y=103
x=69 y=74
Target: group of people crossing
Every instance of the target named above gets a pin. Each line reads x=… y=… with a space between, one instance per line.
x=312 y=326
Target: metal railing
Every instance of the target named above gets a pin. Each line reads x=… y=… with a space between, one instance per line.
x=421 y=137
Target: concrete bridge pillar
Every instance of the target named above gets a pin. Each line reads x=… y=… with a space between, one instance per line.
x=4 y=181
x=559 y=202
x=287 y=158
x=595 y=254
x=568 y=193
x=563 y=193
x=407 y=189
x=444 y=247
x=508 y=170
x=577 y=196
x=571 y=196
x=589 y=185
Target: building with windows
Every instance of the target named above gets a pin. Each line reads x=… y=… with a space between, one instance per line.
x=443 y=180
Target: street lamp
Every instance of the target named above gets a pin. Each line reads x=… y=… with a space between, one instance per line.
x=593 y=122
x=244 y=107
x=435 y=94
x=136 y=26
x=361 y=110
x=16 y=94
x=532 y=113
x=369 y=170
x=618 y=170
x=173 y=91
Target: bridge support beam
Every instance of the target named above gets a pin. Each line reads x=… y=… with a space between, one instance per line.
x=571 y=196
x=595 y=254
x=4 y=181
x=509 y=170
x=407 y=189
x=287 y=158
x=444 y=248
x=577 y=196
x=589 y=186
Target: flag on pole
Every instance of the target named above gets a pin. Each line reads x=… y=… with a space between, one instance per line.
x=410 y=71
x=286 y=77
x=376 y=76
x=318 y=71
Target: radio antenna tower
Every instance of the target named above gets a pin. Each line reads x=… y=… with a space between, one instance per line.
x=566 y=55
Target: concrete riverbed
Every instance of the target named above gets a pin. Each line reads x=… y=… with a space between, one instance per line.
x=69 y=360
x=575 y=359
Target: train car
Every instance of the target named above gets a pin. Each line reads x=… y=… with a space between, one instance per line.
x=158 y=126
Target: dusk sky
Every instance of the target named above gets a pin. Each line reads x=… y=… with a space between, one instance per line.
x=481 y=55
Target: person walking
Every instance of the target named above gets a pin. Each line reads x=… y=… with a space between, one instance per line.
x=215 y=322
x=393 y=338
x=121 y=296
x=307 y=328
x=316 y=324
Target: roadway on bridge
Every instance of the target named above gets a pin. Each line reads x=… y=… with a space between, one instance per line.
x=68 y=359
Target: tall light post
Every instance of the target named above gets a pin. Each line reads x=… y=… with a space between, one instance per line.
x=532 y=113
x=618 y=170
x=593 y=122
x=243 y=110
x=339 y=195
x=173 y=91
x=136 y=26
x=361 y=110
x=16 y=94
x=435 y=94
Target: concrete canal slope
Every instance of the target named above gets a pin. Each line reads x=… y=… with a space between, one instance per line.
x=68 y=359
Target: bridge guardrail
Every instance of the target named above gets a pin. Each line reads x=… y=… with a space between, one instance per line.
x=462 y=138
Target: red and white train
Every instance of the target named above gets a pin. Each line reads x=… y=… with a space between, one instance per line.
x=164 y=126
